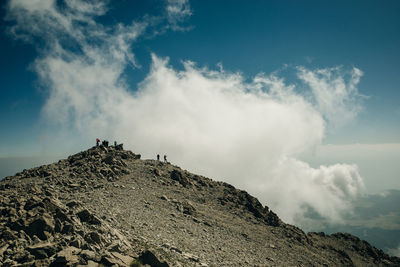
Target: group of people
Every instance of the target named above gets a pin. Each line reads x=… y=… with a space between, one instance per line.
x=104 y=143
x=165 y=158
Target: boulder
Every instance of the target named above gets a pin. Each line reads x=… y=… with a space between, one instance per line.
x=186 y=207
x=86 y=216
x=32 y=203
x=178 y=176
x=93 y=237
x=88 y=255
x=40 y=226
x=110 y=160
x=8 y=235
x=148 y=257
x=117 y=258
x=67 y=257
x=42 y=250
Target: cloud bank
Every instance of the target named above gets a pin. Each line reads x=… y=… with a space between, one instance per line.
x=211 y=122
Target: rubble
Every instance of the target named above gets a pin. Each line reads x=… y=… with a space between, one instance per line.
x=107 y=207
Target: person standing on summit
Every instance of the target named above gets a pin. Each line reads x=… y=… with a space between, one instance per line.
x=165 y=158
x=97 y=141
x=158 y=157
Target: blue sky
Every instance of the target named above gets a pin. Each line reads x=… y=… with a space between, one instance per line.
x=259 y=36
x=277 y=87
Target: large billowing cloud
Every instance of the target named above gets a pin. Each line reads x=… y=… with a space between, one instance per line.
x=211 y=122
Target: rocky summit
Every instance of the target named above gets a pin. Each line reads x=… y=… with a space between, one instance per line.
x=107 y=207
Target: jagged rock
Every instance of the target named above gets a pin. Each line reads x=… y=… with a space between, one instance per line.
x=115 y=258
x=93 y=237
x=9 y=263
x=109 y=160
x=40 y=226
x=8 y=235
x=86 y=216
x=42 y=250
x=33 y=202
x=186 y=207
x=148 y=257
x=157 y=172
x=89 y=255
x=89 y=264
x=68 y=228
x=46 y=221
x=3 y=249
x=178 y=176
x=67 y=257
x=73 y=204
x=190 y=257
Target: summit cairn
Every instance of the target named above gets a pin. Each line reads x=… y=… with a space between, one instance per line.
x=105 y=206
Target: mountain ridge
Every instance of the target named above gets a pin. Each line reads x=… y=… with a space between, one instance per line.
x=106 y=206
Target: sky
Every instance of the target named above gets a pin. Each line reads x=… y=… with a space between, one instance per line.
x=296 y=102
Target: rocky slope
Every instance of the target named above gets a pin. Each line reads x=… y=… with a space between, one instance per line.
x=107 y=207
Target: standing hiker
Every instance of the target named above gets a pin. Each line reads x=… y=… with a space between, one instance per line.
x=165 y=158
x=158 y=157
x=97 y=141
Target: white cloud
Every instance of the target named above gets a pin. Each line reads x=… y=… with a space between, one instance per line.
x=209 y=121
x=395 y=251
x=374 y=160
x=177 y=12
x=336 y=99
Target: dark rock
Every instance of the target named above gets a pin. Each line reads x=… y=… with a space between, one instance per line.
x=109 y=160
x=148 y=257
x=43 y=250
x=40 y=226
x=73 y=204
x=89 y=255
x=77 y=242
x=33 y=203
x=156 y=172
x=57 y=225
x=23 y=257
x=8 y=235
x=66 y=257
x=93 y=237
x=68 y=228
x=86 y=216
x=178 y=176
x=187 y=208
x=116 y=259
x=61 y=216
